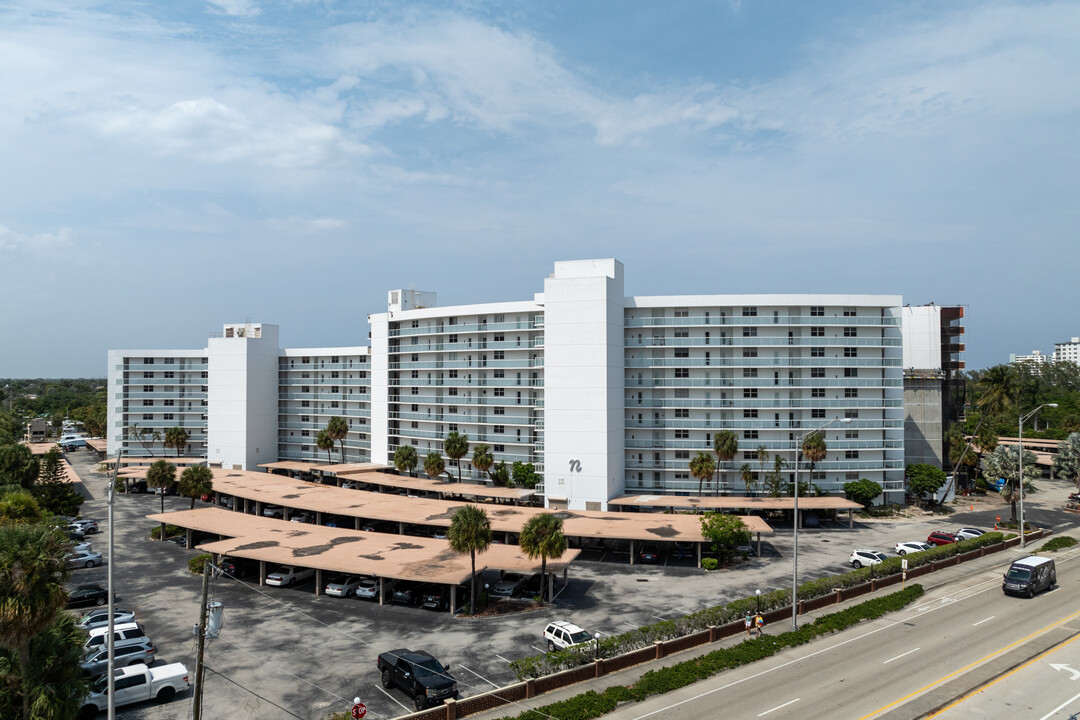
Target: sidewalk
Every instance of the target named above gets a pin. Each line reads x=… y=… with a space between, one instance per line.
x=995 y=563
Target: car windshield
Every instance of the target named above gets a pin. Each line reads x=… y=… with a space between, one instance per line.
x=429 y=668
x=580 y=637
x=1018 y=573
x=99 y=685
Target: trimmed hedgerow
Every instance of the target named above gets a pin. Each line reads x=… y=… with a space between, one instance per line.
x=197 y=564
x=170 y=530
x=1059 y=543
x=592 y=704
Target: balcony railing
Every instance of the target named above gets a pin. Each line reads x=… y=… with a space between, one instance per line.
x=713 y=320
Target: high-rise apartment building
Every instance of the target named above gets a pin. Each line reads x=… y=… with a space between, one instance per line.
x=1067 y=351
x=605 y=394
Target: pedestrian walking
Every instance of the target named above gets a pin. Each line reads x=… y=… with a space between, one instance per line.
x=749 y=624
x=759 y=623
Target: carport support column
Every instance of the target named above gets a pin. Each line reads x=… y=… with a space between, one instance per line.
x=285 y=513
x=631 y=551
x=318 y=517
x=453 y=599
x=382 y=592
x=262 y=573
x=318 y=582
x=699 y=553
x=356 y=523
x=850 y=520
x=759 y=544
x=258 y=508
x=187 y=538
x=401 y=528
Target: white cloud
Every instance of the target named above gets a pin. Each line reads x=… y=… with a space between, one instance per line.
x=34 y=244
x=236 y=8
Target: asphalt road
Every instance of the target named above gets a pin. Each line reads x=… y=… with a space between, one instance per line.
x=284 y=653
x=913 y=663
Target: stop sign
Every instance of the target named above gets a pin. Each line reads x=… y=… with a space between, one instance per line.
x=359 y=710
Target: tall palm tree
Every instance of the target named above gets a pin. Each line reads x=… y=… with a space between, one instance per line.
x=56 y=685
x=762 y=454
x=997 y=389
x=456 y=446
x=542 y=537
x=746 y=472
x=405 y=459
x=32 y=576
x=176 y=437
x=470 y=532
x=337 y=428
x=702 y=466
x=1002 y=464
x=323 y=441
x=196 y=481
x=137 y=433
x=155 y=437
x=725 y=445
x=434 y=465
x=813 y=450
x=482 y=459
x=161 y=474
x=1067 y=459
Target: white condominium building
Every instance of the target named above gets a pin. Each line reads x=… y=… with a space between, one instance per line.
x=1067 y=351
x=603 y=393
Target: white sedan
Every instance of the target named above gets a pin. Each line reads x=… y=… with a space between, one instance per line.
x=968 y=533
x=860 y=557
x=289 y=575
x=83 y=559
x=342 y=586
x=100 y=618
x=903 y=548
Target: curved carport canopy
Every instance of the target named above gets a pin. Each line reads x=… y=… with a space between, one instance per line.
x=739 y=502
x=354 y=552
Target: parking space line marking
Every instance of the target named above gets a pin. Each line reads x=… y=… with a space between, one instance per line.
x=393 y=698
x=1054 y=712
x=789 y=702
x=478 y=675
x=982 y=621
x=886 y=662
x=504 y=659
x=658 y=617
x=534 y=648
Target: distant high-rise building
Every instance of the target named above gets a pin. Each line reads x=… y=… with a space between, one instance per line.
x=1035 y=357
x=1067 y=351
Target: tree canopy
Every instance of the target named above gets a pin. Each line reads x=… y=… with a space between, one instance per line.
x=862 y=491
x=727 y=532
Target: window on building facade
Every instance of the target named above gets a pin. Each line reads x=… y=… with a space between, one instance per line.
x=499 y=373
x=817 y=413
x=682 y=312
x=817 y=392
x=148 y=375
x=817 y=352
x=851 y=392
x=817 y=311
x=682 y=434
x=169 y=374
x=749 y=352
x=305 y=403
x=682 y=352
x=682 y=372
x=498 y=410
x=749 y=392
x=749 y=312
x=854 y=454
x=167 y=416
x=817 y=372
x=499 y=392
x=498 y=355
x=749 y=372
x=170 y=403
x=749 y=331
x=851 y=372
x=452 y=373
x=852 y=434
x=817 y=331
x=148 y=388
x=415 y=374
x=750 y=434
x=682 y=412
x=851 y=414
x=147 y=403
x=850 y=352
x=849 y=312
x=751 y=413
x=851 y=332
x=498 y=429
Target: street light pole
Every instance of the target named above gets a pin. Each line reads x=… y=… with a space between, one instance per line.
x=110 y=683
x=1020 y=463
x=795 y=525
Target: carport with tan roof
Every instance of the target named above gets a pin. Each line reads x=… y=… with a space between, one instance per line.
x=724 y=503
x=380 y=555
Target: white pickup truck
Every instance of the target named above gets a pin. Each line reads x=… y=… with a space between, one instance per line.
x=136 y=683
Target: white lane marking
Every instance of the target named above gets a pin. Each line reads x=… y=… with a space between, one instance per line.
x=886 y=662
x=658 y=617
x=889 y=624
x=982 y=621
x=478 y=675
x=393 y=698
x=1054 y=712
x=789 y=702
x=502 y=658
x=538 y=649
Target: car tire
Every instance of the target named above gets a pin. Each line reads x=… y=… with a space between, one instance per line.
x=902 y=553
x=1031 y=593
x=386 y=680
x=420 y=702
x=165 y=694
x=551 y=646
x=99 y=602
x=89 y=563
x=856 y=564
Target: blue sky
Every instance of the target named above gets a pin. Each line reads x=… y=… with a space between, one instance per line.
x=169 y=167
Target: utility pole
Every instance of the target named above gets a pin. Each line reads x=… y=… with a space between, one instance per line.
x=196 y=713
x=111 y=708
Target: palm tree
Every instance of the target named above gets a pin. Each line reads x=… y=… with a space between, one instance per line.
x=337 y=428
x=746 y=472
x=196 y=481
x=725 y=445
x=702 y=466
x=775 y=479
x=176 y=437
x=813 y=450
x=997 y=390
x=482 y=459
x=405 y=459
x=155 y=437
x=434 y=465
x=323 y=441
x=19 y=506
x=161 y=474
x=470 y=532
x=456 y=446
x=137 y=433
x=56 y=684
x=1003 y=462
x=32 y=576
x=542 y=537
x=1067 y=459
x=762 y=454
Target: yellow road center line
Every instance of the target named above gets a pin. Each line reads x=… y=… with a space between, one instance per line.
x=954 y=673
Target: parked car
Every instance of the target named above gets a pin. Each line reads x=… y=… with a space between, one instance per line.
x=969 y=533
x=75 y=533
x=939 y=537
x=88 y=527
x=440 y=533
x=123 y=634
x=96 y=663
x=436 y=597
x=239 y=567
x=408 y=592
x=85 y=595
x=83 y=546
x=82 y=560
x=560 y=635
x=532 y=586
x=903 y=548
x=348 y=484
x=649 y=553
x=862 y=557
x=342 y=586
x=509 y=585
x=419 y=674
x=273 y=511
x=289 y=575
x=137 y=683
x=368 y=589
x=302 y=517
x=100 y=618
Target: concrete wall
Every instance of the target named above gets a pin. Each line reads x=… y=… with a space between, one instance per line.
x=242 y=396
x=923 y=428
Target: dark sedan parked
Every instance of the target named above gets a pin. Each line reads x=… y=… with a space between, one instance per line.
x=86 y=595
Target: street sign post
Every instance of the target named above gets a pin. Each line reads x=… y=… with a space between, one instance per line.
x=903 y=572
x=359 y=710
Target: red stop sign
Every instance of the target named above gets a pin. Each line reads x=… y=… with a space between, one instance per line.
x=359 y=710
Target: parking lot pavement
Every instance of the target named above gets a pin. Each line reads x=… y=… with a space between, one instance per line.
x=283 y=652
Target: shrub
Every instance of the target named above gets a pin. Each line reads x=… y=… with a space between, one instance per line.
x=709 y=563
x=170 y=531
x=197 y=564
x=1059 y=543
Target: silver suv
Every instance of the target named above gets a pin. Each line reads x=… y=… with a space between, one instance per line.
x=561 y=635
x=97 y=662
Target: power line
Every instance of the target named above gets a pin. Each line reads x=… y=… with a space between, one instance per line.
x=265 y=699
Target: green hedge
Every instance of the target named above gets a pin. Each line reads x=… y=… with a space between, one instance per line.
x=540 y=665
x=170 y=530
x=592 y=704
x=1059 y=543
x=196 y=564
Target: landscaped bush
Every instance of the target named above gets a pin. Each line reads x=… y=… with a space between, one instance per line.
x=197 y=564
x=709 y=563
x=654 y=682
x=170 y=530
x=1059 y=543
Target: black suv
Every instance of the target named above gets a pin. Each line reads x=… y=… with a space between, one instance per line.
x=408 y=592
x=240 y=567
x=424 y=678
